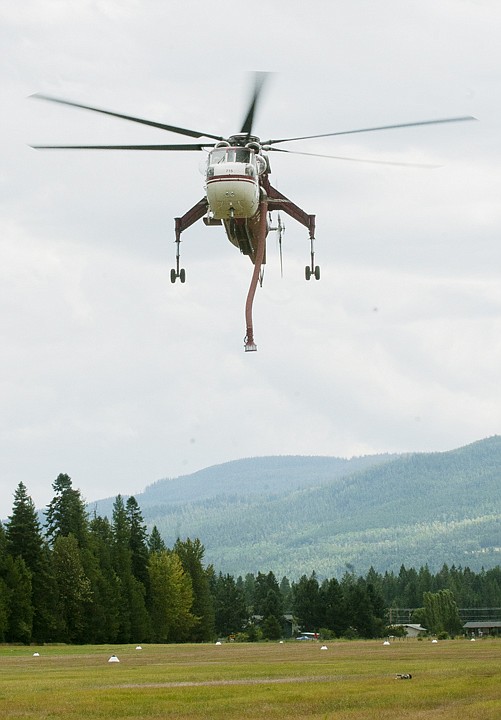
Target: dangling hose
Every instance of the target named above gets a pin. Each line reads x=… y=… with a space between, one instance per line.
x=250 y=345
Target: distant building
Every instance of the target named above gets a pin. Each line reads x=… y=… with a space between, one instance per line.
x=485 y=627
x=290 y=624
x=413 y=630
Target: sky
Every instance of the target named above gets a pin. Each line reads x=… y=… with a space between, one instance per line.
x=115 y=376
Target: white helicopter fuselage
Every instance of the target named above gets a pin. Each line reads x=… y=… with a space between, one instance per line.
x=232 y=182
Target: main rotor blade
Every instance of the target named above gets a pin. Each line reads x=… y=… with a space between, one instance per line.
x=259 y=79
x=122 y=147
x=373 y=129
x=359 y=160
x=162 y=126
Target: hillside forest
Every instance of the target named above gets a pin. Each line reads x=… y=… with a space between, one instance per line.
x=296 y=514
x=82 y=579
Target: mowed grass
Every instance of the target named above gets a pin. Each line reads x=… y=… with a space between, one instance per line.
x=349 y=680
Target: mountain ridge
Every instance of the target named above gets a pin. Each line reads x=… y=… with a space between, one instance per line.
x=299 y=514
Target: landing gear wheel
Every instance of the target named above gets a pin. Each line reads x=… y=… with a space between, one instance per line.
x=307 y=272
x=173 y=276
x=317 y=272
x=182 y=275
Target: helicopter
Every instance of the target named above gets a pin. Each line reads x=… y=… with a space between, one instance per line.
x=239 y=195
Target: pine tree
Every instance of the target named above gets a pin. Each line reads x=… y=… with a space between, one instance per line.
x=263 y=584
x=4 y=605
x=248 y=586
x=271 y=627
x=155 y=542
x=134 y=622
x=23 y=531
x=66 y=513
x=17 y=578
x=359 y=608
x=102 y=621
x=74 y=588
x=229 y=604
x=268 y=603
x=24 y=539
x=4 y=590
x=286 y=593
x=306 y=603
x=138 y=542
x=334 y=608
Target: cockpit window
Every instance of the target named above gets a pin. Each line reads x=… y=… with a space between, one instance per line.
x=217 y=156
x=231 y=154
x=243 y=155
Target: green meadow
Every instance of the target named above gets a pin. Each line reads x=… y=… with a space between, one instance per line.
x=350 y=680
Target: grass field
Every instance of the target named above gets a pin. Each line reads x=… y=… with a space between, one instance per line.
x=349 y=680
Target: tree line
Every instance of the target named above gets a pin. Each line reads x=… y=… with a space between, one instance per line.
x=89 y=579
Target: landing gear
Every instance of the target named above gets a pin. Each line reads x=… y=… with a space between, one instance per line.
x=312 y=269
x=177 y=272
x=309 y=272
x=183 y=223
x=174 y=275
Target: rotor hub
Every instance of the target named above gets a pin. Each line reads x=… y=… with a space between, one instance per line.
x=243 y=139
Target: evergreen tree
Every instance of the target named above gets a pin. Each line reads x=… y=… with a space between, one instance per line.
x=103 y=619
x=425 y=580
x=306 y=603
x=365 y=607
x=360 y=618
x=74 y=589
x=138 y=542
x=66 y=513
x=4 y=590
x=17 y=579
x=122 y=565
x=268 y=602
x=273 y=621
x=335 y=614
x=4 y=604
x=248 y=586
x=412 y=592
x=191 y=554
x=271 y=628
x=286 y=593
x=155 y=542
x=378 y=608
x=229 y=604
x=24 y=539
x=133 y=618
x=44 y=597
x=262 y=585
x=23 y=531
x=490 y=583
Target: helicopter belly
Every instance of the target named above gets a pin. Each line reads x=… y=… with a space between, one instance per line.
x=236 y=197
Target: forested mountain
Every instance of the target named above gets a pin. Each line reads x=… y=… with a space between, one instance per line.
x=350 y=539
x=295 y=515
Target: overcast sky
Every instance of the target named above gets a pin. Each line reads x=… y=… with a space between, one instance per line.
x=110 y=373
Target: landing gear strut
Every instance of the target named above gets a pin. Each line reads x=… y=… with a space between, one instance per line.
x=176 y=272
x=183 y=223
x=312 y=269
